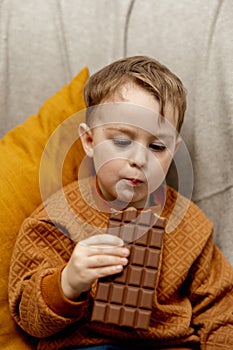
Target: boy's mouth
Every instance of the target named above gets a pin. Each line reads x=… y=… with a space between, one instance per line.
x=134 y=182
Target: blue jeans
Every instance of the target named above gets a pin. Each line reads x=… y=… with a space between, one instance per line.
x=102 y=347
x=118 y=347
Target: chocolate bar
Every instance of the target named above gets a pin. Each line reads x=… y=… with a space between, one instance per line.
x=126 y=299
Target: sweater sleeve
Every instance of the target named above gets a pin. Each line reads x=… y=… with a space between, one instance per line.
x=212 y=298
x=35 y=296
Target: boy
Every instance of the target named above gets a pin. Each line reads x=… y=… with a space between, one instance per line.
x=135 y=111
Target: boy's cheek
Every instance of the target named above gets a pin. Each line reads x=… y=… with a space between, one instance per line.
x=157 y=171
x=104 y=156
x=165 y=159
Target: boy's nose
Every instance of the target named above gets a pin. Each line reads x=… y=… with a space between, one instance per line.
x=138 y=157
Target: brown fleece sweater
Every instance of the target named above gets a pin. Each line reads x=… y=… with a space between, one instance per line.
x=193 y=300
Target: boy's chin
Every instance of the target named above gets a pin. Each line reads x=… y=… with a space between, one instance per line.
x=123 y=203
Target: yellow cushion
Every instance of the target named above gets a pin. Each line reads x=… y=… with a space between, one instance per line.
x=20 y=155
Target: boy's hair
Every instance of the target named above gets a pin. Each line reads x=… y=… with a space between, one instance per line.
x=146 y=72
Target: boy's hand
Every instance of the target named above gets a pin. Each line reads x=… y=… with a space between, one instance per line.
x=95 y=257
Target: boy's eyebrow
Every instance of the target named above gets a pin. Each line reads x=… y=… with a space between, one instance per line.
x=126 y=129
x=122 y=128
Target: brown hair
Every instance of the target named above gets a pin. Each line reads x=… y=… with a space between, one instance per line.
x=146 y=72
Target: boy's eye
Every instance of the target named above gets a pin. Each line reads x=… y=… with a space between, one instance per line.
x=156 y=147
x=121 y=142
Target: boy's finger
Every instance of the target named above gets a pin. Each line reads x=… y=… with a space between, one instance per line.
x=106 y=261
x=113 y=251
x=108 y=271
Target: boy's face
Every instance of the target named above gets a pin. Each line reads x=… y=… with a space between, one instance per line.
x=131 y=146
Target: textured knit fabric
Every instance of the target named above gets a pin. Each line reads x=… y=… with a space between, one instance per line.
x=193 y=300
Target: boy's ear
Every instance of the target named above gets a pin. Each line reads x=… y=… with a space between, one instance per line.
x=178 y=141
x=85 y=134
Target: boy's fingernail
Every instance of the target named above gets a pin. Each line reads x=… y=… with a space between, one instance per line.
x=119 y=267
x=124 y=261
x=125 y=251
